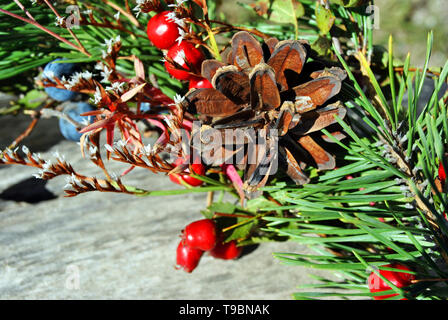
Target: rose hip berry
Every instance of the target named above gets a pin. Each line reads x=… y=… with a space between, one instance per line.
x=187 y=258
x=198 y=168
x=226 y=251
x=199 y=83
x=161 y=31
x=399 y=279
x=185 y=55
x=200 y=234
x=442 y=174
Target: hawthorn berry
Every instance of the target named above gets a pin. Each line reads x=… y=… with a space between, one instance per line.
x=200 y=234
x=226 y=251
x=198 y=168
x=162 y=31
x=74 y=111
x=59 y=70
x=442 y=174
x=185 y=55
x=399 y=279
x=199 y=83
x=187 y=258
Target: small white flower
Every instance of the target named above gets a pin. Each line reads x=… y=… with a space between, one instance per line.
x=48 y=74
x=58 y=156
x=178 y=3
x=117 y=15
x=147 y=150
x=39 y=174
x=36 y=157
x=138 y=7
x=116 y=86
x=106 y=74
x=171 y=16
x=46 y=166
x=25 y=150
x=178 y=99
x=74 y=80
x=9 y=152
x=97 y=96
x=87 y=12
x=87 y=75
x=59 y=21
x=99 y=66
x=181 y=37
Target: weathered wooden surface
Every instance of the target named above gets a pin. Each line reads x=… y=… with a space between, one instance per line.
x=122 y=247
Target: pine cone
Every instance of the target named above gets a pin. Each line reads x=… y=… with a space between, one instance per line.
x=263 y=90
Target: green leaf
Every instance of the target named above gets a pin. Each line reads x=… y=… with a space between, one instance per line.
x=324 y=18
x=281 y=11
x=222 y=207
x=243 y=230
x=33 y=99
x=322 y=46
x=349 y=3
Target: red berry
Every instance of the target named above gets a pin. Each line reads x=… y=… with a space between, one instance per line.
x=161 y=31
x=187 y=258
x=399 y=279
x=188 y=57
x=201 y=234
x=226 y=251
x=199 y=83
x=198 y=168
x=442 y=174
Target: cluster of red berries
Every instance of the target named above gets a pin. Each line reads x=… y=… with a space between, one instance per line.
x=398 y=279
x=201 y=236
x=165 y=33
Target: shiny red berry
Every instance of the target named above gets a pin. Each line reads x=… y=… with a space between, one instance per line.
x=399 y=279
x=226 y=251
x=198 y=168
x=199 y=83
x=442 y=174
x=187 y=258
x=161 y=31
x=201 y=234
x=187 y=56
